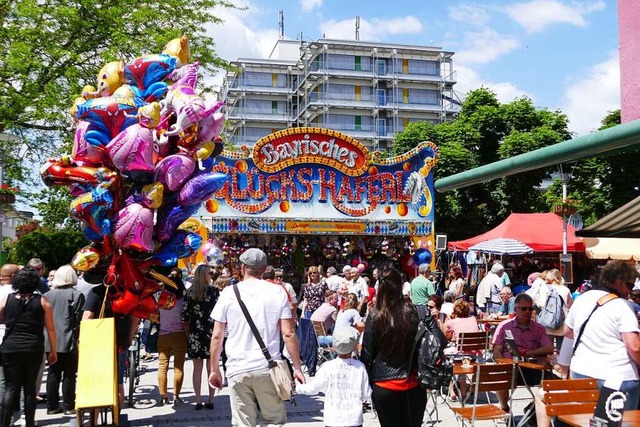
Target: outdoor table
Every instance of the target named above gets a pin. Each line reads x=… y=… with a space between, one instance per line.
x=629 y=419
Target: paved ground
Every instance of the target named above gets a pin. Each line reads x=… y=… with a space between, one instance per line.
x=147 y=413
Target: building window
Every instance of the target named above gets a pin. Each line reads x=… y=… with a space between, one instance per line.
x=256 y=79
x=423 y=96
x=418 y=66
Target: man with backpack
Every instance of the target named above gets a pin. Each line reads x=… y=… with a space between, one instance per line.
x=524 y=338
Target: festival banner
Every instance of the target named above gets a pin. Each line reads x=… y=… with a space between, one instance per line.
x=308 y=178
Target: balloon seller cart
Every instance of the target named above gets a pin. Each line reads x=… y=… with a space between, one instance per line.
x=97 y=381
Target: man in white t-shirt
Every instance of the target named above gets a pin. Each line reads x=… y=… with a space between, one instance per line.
x=609 y=347
x=333 y=280
x=253 y=395
x=358 y=285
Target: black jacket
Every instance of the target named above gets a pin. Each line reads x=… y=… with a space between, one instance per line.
x=381 y=370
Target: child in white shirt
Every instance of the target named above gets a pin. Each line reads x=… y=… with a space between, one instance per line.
x=344 y=382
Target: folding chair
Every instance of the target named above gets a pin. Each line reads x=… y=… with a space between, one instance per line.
x=488 y=378
x=325 y=352
x=475 y=343
x=562 y=397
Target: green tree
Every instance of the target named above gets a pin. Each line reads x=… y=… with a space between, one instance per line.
x=486 y=131
x=52 y=49
x=55 y=249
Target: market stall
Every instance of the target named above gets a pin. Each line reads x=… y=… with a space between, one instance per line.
x=311 y=195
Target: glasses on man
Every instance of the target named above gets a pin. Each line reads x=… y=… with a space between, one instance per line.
x=525 y=308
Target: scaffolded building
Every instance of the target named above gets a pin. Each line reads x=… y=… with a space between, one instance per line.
x=369 y=91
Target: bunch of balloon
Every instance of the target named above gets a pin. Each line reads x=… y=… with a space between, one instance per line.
x=141 y=165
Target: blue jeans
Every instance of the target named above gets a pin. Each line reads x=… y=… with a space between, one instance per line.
x=630 y=387
x=325 y=341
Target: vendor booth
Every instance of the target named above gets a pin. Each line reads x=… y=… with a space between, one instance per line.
x=312 y=195
x=542 y=232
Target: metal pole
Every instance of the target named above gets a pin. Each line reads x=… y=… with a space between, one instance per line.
x=564 y=216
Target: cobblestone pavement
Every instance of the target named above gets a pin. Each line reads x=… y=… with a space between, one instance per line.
x=148 y=413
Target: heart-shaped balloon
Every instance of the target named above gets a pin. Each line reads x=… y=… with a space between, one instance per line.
x=134 y=228
x=170 y=217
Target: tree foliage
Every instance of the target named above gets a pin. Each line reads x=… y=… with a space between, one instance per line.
x=51 y=49
x=486 y=131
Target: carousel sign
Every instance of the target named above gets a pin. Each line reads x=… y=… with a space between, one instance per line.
x=311 y=174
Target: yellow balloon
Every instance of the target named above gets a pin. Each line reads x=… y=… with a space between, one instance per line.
x=152 y=195
x=110 y=78
x=179 y=48
x=86 y=258
x=205 y=150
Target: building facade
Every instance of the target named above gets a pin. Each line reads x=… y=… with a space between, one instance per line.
x=369 y=91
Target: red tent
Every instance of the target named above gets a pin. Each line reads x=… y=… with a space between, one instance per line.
x=541 y=231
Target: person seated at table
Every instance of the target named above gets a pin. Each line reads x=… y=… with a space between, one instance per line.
x=459 y=322
x=348 y=315
x=447 y=305
x=531 y=340
x=508 y=302
x=327 y=314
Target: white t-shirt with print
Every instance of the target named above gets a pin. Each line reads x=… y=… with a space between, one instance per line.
x=345 y=385
x=267 y=304
x=601 y=353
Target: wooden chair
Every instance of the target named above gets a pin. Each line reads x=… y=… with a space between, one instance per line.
x=325 y=352
x=562 y=397
x=476 y=343
x=488 y=378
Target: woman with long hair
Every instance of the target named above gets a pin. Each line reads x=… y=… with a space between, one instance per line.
x=389 y=356
x=457 y=282
x=26 y=315
x=198 y=304
x=313 y=291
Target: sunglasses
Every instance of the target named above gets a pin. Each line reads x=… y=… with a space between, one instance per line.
x=525 y=308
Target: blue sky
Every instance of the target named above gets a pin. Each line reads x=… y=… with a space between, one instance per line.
x=563 y=54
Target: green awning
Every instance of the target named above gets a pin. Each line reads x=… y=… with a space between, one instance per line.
x=623 y=222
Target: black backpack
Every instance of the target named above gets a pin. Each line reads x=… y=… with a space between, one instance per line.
x=434 y=368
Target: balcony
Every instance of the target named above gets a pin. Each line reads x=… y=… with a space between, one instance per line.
x=259 y=114
x=338 y=100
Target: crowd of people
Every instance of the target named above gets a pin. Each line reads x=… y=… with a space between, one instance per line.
x=369 y=320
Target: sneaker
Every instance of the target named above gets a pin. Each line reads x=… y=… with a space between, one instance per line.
x=198 y=406
x=54 y=411
x=208 y=405
x=70 y=412
x=178 y=401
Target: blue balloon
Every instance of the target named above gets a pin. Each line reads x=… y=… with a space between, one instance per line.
x=422 y=256
x=201 y=188
x=170 y=217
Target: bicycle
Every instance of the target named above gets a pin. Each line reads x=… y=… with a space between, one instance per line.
x=134 y=370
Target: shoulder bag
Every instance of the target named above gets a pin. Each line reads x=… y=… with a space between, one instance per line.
x=602 y=301
x=279 y=370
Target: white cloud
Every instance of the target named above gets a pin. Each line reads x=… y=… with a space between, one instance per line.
x=481 y=47
x=591 y=96
x=371 y=30
x=240 y=36
x=469 y=14
x=536 y=15
x=309 y=5
x=469 y=79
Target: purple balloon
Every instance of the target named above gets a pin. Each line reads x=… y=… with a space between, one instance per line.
x=134 y=228
x=170 y=217
x=201 y=188
x=173 y=171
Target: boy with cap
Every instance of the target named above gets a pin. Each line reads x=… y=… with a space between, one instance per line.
x=344 y=382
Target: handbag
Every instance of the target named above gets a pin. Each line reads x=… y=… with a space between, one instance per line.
x=279 y=370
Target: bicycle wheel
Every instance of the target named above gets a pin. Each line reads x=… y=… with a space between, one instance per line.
x=132 y=376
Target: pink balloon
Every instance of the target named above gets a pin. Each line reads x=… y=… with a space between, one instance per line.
x=132 y=149
x=210 y=126
x=134 y=228
x=205 y=248
x=173 y=171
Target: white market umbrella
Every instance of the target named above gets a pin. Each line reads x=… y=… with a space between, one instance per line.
x=502 y=246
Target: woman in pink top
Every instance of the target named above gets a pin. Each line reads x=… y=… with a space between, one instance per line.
x=459 y=322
